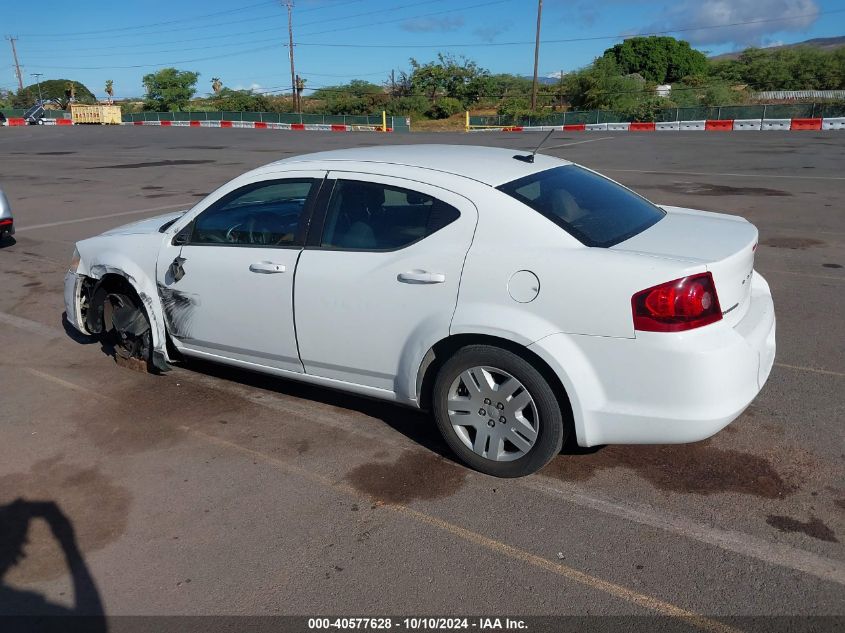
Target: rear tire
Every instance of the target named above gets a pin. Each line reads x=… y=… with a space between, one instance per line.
x=497 y=412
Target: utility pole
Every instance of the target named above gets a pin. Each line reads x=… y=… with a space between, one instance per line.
x=12 y=41
x=536 y=56
x=38 y=79
x=294 y=93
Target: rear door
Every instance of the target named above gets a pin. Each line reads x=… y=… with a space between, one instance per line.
x=227 y=291
x=378 y=283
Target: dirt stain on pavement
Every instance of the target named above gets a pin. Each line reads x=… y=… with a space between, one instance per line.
x=698 y=468
x=97 y=508
x=709 y=189
x=839 y=503
x=144 y=412
x=814 y=527
x=794 y=243
x=156 y=163
x=831 y=265
x=412 y=476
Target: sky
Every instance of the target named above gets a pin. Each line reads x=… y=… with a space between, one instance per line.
x=244 y=42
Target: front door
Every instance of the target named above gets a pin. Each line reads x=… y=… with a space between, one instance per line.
x=227 y=291
x=380 y=284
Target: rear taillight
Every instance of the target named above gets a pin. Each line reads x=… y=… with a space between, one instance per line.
x=682 y=304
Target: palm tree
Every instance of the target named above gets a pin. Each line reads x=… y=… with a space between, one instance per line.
x=216 y=85
x=110 y=90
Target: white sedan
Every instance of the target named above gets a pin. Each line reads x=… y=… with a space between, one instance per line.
x=521 y=299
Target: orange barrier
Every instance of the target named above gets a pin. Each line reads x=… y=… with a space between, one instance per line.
x=16 y=121
x=575 y=127
x=194 y=124
x=225 y=124
x=259 y=125
x=64 y=122
x=642 y=126
x=164 y=123
x=806 y=124
x=719 y=125
x=297 y=126
x=339 y=128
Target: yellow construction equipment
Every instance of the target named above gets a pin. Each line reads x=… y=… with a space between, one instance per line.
x=96 y=114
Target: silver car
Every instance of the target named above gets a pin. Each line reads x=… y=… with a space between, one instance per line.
x=7 y=223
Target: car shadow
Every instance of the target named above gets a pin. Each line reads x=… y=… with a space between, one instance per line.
x=416 y=425
x=9 y=241
x=76 y=336
x=24 y=610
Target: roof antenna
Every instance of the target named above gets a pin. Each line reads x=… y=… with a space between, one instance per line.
x=529 y=158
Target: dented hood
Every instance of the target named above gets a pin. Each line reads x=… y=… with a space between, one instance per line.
x=148 y=225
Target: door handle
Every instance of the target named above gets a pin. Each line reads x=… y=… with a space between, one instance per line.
x=421 y=277
x=267 y=268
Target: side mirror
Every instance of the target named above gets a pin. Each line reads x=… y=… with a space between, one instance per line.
x=183 y=236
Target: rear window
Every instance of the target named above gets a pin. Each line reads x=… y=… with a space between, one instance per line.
x=591 y=208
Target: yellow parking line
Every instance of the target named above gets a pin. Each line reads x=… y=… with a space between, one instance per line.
x=827 y=372
x=629 y=595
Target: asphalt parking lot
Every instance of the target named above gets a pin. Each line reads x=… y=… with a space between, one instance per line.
x=211 y=491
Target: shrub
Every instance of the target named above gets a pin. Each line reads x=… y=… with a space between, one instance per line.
x=444 y=108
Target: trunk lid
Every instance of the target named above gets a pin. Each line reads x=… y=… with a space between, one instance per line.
x=724 y=244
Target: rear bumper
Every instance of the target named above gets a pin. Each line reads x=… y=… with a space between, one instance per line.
x=665 y=388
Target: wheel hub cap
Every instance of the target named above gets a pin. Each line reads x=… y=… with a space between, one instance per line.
x=481 y=396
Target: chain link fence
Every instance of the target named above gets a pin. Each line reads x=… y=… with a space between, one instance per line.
x=398 y=123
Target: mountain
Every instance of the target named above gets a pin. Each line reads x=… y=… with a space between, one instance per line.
x=544 y=81
x=822 y=43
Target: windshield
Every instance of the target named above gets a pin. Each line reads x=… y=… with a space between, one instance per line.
x=593 y=209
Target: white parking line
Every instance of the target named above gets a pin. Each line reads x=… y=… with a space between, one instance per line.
x=183 y=205
x=738 y=542
x=701 y=173
x=827 y=372
x=789 y=272
x=764 y=550
x=592 y=140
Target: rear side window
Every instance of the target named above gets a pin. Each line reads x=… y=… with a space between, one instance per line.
x=593 y=209
x=367 y=216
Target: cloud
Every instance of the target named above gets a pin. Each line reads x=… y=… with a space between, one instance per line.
x=556 y=75
x=253 y=86
x=430 y=25
x=760 y=17
x=490 y=33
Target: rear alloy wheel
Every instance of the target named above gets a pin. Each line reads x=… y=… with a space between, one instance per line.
x=497 y=412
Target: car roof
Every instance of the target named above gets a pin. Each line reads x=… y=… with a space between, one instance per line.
x=491 y=165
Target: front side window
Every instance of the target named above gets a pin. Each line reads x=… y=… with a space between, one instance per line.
x=267 y=213
x=593 y=209
x=370 y=216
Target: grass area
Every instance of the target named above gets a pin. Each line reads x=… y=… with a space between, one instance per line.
x=454 y=123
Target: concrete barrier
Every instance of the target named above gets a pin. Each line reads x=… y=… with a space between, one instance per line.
x=617 y=127
x=667 y=125
x=596 y=127
x=776 y=124
x=747 y=124
x=837 y=123
x=806 y=124
x=719 y=125
x=692 y=125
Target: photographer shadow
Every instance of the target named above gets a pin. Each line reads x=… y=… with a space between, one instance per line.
x=30 y=610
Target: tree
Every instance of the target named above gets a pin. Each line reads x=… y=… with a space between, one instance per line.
x=53 y=90
x=450 y=76
x=110 y=89
x=169 y=89
x=216 y=85
x=239 y=101
x=658 y=59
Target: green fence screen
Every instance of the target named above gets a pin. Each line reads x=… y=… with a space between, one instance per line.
x=575 y=117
